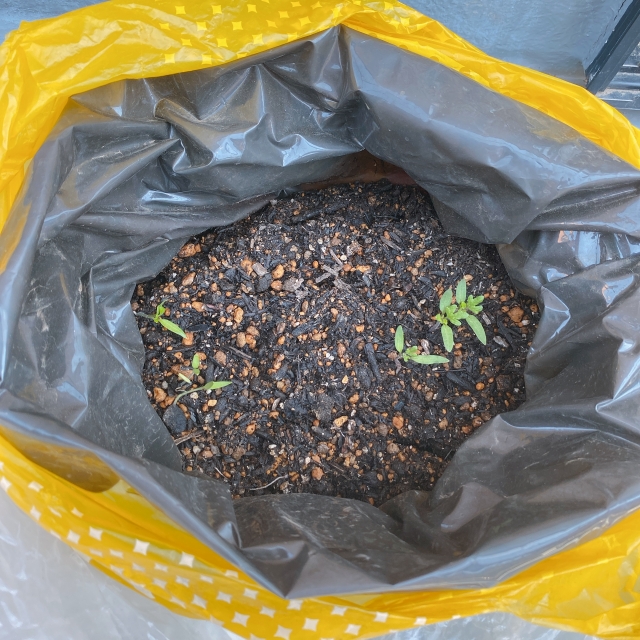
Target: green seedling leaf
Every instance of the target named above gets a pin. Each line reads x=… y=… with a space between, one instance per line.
x=410 y=353
x=445 y=301
x=423 y=359
x=451 y=315
x=216 y=384
x=477 y=328
x=183 y=377
x=160 y=309
x=172 y=326
x=466 y=308
x=399 y=340
x=195 y=364
x=447 y=337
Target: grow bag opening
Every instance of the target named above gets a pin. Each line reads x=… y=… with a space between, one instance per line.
x=296 y=309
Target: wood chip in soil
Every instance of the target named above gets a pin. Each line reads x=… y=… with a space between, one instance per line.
x=297 y=306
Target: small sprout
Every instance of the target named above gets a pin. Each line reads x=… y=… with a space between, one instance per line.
x=159 y=318
x=411 y=353
x=195 y=365
x=465 y=308
x=215 y=384
x=195 y=370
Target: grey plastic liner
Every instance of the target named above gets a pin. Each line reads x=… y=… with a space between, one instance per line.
x=134 y=168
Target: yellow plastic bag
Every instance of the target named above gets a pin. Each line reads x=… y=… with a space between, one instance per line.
x=591 y=588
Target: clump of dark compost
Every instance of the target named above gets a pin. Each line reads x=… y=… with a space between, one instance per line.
x=297 y=306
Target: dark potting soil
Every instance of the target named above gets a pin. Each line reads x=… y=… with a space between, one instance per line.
x=297 y=307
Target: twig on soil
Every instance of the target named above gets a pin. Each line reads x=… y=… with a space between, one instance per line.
x=336 y=467
x=268 y=485
x=314 y=213
x=219 y=472
x=239 y=353
x=417 y=303
x=306 y=216
x=340 y=284
x=330 y=270
x=193 y=434
x=393 y=245
x=336 y=259
x=371 y=358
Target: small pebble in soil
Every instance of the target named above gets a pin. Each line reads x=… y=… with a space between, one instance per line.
x=297 y=306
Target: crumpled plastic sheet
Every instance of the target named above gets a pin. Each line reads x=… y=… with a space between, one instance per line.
x=49 y=592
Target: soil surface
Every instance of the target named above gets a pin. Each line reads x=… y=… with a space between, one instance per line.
x=297 y=306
